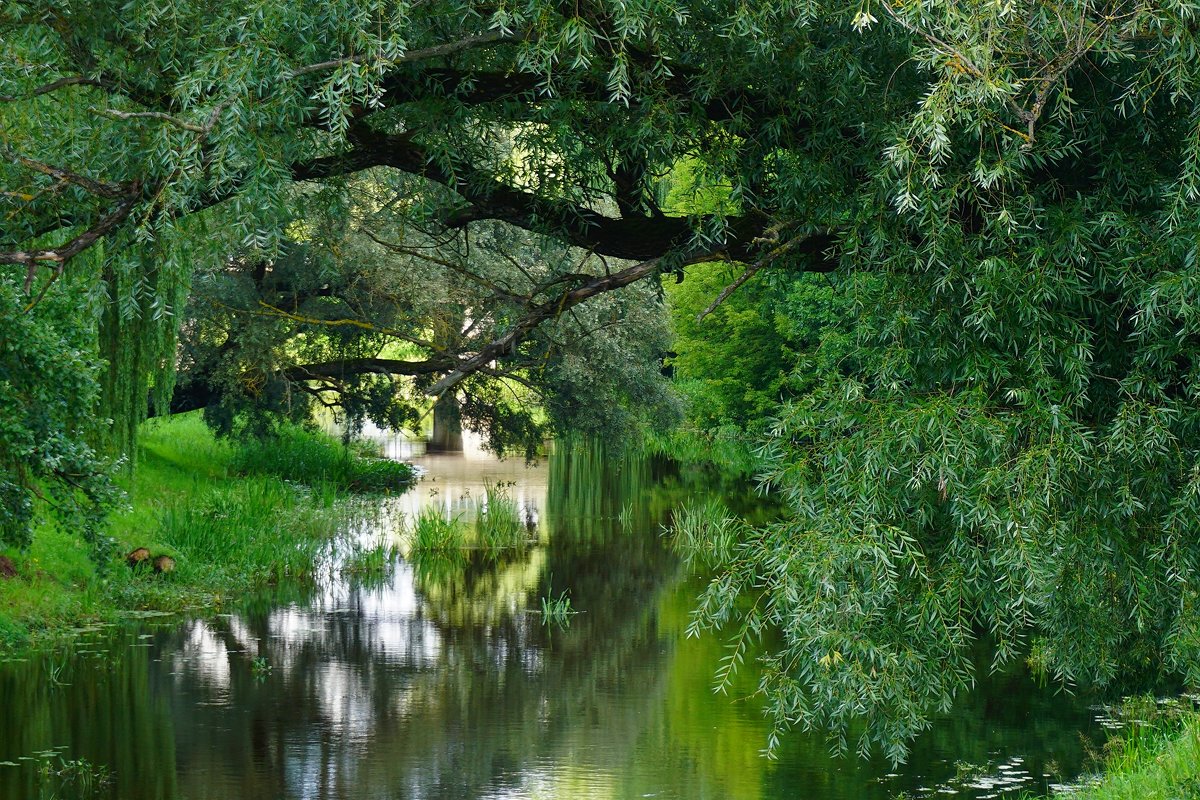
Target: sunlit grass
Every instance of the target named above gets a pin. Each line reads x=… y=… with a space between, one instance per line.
x=432 y=531
x=498 y=524
x=315 y=458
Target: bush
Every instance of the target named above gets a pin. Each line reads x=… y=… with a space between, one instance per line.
x=314 y=458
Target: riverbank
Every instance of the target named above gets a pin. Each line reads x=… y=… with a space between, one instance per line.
x=1155 y=759
x=230 y=518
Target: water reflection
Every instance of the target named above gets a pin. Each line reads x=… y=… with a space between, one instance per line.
x=437 y=681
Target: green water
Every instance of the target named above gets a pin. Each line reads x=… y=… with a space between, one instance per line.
x=438 y=681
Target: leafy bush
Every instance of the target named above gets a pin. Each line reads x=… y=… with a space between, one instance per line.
x=48 y=392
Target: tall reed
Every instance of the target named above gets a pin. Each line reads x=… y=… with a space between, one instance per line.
x=498 y=524
x=432 y=531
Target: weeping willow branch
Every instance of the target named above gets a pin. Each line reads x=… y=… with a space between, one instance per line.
x=274 y=311
x=53 y=86
x=58 y=256
x=110 y=191
x=487 y=39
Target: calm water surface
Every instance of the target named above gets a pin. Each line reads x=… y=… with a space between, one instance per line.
x=438 y=681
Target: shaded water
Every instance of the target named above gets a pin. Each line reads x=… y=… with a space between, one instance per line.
x=437 y=681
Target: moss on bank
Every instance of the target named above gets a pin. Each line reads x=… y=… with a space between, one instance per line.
x=233 y=518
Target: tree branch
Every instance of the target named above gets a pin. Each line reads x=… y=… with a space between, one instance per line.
x=53 y=86
x=635 y=237
x=538 y=314
x=807 y=244
x=30 y=259
x=111 y=191
x=487 y=39
x=358 y=366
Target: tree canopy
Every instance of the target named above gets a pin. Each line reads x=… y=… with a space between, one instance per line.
x=1003 y=437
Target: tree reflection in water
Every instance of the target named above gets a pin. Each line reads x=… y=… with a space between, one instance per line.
x=435 y=681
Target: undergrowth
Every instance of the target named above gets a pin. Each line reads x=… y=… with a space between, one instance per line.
x=233 y=517
x=314 y=458
x=1155 y=757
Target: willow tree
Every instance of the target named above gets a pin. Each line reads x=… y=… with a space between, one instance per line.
x=1009 y=444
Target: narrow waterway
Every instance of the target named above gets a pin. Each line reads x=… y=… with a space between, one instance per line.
x=439 y=680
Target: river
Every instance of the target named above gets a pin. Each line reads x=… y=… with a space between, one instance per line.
x=438 y=679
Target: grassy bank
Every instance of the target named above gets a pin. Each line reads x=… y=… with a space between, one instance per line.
x=1155 y=758
x=232 y=518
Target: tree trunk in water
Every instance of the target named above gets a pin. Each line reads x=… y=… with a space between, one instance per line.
x=447 y=426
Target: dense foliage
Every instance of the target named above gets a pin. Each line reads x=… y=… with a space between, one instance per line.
x=1001 y=439
x=335 y=320
x=48 y=391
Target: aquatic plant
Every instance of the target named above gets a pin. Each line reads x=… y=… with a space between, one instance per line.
x=704 y=533
x=557 y=610
x=499 y=522
x=79 y=778
x=374 y=559
x=625 y=518
x=432 y=530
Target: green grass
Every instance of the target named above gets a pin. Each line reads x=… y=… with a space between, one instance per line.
x=1157 y=757
x=218 y=510
x=498 y=524
x=432 y=532
x=315 y=458
x=237 y=528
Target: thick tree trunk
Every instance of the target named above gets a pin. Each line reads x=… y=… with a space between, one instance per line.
x=447 y=426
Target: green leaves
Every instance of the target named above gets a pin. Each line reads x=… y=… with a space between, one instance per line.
x=48 y=389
